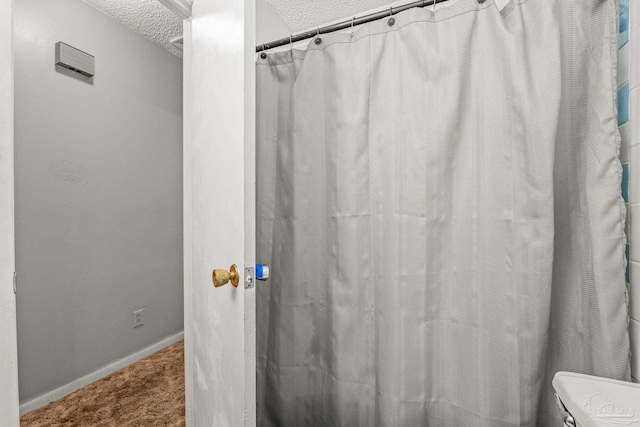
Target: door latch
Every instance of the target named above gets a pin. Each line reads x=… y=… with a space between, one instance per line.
x=251 y=274
x=248 y=278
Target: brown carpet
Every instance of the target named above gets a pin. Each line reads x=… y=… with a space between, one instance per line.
x=149 y=392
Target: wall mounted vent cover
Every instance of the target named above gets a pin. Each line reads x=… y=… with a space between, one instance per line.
x=74 y=59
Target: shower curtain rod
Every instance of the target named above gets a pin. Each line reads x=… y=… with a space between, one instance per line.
x=347 y=24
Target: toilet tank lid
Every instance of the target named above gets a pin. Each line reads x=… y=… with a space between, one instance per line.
x=599 y=401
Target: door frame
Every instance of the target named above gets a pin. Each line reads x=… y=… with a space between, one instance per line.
x=9 y=406
x=182 y=8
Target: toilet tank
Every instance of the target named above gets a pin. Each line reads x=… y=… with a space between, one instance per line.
x=595 y=401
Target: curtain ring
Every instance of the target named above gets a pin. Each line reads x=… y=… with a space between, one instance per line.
x=318 y=40
x=434 y=6
x=390 y=11
x=353 y=22
x=291 y=44
x=263 y=55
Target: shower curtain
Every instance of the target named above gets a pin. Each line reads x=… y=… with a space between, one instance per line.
x=439 y=199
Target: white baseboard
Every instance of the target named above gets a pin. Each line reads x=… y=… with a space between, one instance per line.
x=66 y=389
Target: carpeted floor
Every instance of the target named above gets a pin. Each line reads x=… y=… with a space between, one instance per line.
x=149 y=392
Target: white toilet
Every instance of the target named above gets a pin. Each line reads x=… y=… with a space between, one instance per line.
x=597 y=402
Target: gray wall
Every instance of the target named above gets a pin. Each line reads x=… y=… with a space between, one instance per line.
x=98 y=179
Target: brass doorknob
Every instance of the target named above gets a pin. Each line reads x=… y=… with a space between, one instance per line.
x=222 y=277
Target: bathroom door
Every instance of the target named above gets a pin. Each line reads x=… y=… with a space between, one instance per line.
x=219 y=211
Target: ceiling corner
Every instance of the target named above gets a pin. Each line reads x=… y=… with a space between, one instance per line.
x=149 y=18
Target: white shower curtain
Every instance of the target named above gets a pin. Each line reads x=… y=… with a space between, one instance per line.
x=439 y=200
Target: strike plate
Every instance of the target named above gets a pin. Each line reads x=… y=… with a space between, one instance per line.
x=249 y=278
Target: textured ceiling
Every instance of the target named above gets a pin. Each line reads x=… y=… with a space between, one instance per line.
x=153 y=20
x=300 y=15
x=149 y=18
